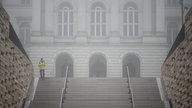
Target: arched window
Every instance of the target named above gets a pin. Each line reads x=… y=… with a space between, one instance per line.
x=130 y=20
x=65 y=20
x=98 y=20
x=24 y=33
x=172 y=32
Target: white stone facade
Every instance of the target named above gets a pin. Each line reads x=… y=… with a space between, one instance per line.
x=150 y=46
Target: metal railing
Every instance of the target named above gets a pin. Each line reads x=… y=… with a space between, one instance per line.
x=64 y=87
x=130 y=88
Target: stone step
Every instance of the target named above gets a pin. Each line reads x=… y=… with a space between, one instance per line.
x=140 y=98
x=48 y=89
x=96 y=104
x=96 y=84
x=97 y=87
x=97 y=93
x=97 y=96
x=97 y=80
x=144 y=79
x=48 y=93
x=98 y=90
x=45 y=104
x=47 y=98
x=149 y=104
x=99 y=106
x=79 y=103
x=39 y=92
x=145 y=88
x=45 y=95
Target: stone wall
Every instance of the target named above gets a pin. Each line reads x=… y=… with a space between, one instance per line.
x=177 y=70
x=15 y=68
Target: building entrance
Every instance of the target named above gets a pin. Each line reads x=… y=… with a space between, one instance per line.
x=97 y=66
x=133 y=63
x=62 y=62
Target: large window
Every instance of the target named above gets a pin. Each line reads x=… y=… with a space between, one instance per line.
x=65 y=20
x=130 y=20
x=98 y=20
x=24 y=33
x=172 y=32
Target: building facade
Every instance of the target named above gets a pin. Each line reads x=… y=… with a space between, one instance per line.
x=96 y=38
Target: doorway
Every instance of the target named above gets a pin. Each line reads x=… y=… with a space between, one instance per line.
x=62 y=62
x=97 y=66
x=133 y=63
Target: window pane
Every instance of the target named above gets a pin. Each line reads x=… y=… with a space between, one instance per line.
x=136 y=17
x=65 y=17
x=130 y=30
x=71 y=30
x=65 y=30
x=130 y=17
x=125 y=17
x=103 y=17
x=59 y=29
x=136 y=30
x=98 y=17
x=92 y=17
x=97 y=30
x=71 y=17
x=103 y=30
x=59 y=17
x=92 y=30
x=125 y=30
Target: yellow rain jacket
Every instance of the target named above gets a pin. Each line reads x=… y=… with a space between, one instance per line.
x=42 y=65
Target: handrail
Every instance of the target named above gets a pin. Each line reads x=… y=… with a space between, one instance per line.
x=130 y=88
x=64 y=87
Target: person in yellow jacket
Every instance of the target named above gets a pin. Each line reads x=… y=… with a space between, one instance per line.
x=42 y=66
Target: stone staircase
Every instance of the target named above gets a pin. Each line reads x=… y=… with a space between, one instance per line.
x=48 y=93
x=146 y=93
x=97 y=93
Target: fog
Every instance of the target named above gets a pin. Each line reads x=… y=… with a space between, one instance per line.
x=97 y=38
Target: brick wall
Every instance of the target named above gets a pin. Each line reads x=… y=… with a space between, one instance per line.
x=177 y=70
x=15 y=68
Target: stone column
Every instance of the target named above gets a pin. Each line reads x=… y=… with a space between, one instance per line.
x=160 y=19
x=49 y=17
x=36 y=17
x=147 y=25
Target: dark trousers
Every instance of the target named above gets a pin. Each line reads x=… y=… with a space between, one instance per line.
x=42 y=73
